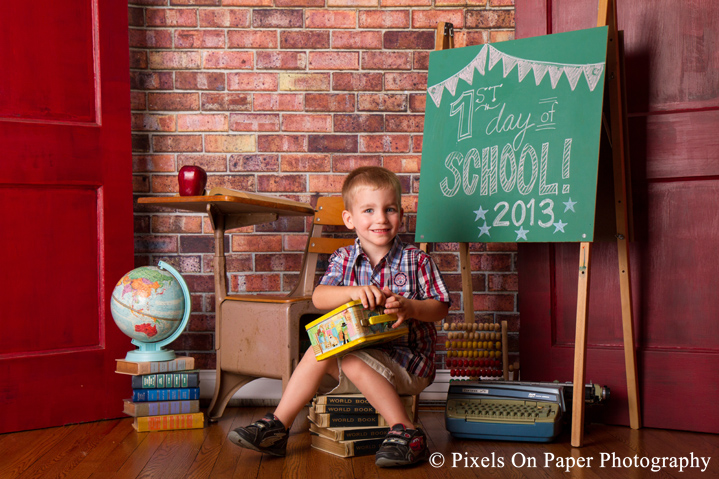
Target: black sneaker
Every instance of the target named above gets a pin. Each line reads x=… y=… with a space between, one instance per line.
x=402 y=447
x=265 y=435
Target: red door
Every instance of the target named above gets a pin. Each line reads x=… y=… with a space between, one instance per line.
x=672 y=74
x=65 y=209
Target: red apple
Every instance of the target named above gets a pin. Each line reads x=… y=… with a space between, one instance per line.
x=192 y=180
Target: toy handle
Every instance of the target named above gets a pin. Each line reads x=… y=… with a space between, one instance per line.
x=383 y=318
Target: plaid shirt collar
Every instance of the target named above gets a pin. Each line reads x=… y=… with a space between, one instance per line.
x=393 y=257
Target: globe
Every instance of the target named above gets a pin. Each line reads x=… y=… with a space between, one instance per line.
x=151 y=305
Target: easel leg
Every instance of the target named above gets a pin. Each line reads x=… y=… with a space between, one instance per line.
x=580 y=345
x=467 y=293
x=630 y=353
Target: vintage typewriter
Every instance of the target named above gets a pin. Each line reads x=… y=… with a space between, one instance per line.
x=511 y=411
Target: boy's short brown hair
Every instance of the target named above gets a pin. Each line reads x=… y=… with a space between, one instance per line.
x=374 y=177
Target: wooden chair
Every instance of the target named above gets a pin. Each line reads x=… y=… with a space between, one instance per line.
x=258 y=336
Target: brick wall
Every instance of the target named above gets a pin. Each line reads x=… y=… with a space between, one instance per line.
x=284 y=97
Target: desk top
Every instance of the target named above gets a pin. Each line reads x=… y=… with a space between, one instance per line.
x=238 y=203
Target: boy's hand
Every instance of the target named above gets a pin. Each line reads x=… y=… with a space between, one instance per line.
x=396 y=304
x=371 y=296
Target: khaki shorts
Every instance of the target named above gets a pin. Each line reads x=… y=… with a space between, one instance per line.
x=379 y=360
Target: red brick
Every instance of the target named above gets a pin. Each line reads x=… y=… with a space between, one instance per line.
x=347 y=163
x=493 y=302
x=409 y=123
x=387 y=60
x=406 y=3
x=459 y=3
x=490 y=19
x=420 y=60
x=140 y=142
x=304 y=81
x=138 y=59
x=255 y=243
x=358 y=81
x=430 y=18
x=329 y=102
x=252 y=81
x=254 y=163
x=417 y=102
x=150 y=38
x=279 y=60
x=275 y=183
x=152 y=163
x=224 y=17
x=171 y=17
x=491 y=262
x=199 y=39
x=466 y=38
x=282 y=143
x=272 y=18
x=248 y=3
x=140 y=184
x=152 y=122
x=278 y=262
x=313 y=123
x=384 y=143
x=136 y=17
x=301 y=39
x=252 y=39
x=254 y=122
x=229 y=143
x=138 y=100
x=228 y=60
x=294 y=242
x=307 y=162
x=353 y=3
x=414 y=40
x=200 y=81
x=156 y=244
x=403 y=163
x=277 y=102
x=501 y=3
x=173 y=101
x=502 y=282
x=226 y=101
x=501 y=35
x=326 y=183
x=332 y=144
x=177 y=143
x=417 y=143
x=151 y=80
x=174 y=60
x=299 y=3
x=330 y=19
x=405 y=81
x=384 y=19
x=356 y=40
x=204 y=122
x=233 y=182
x=176 y=224
x=334 y=61
x=360 y=123
x=207 y=162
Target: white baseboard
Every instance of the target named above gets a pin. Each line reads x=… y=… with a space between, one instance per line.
x=267 y=392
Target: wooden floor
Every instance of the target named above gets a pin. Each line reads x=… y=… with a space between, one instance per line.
x=112 y=449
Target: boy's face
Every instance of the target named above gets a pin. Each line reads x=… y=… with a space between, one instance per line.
x=376 y=217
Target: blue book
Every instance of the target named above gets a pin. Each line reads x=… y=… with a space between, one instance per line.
x=144 y=395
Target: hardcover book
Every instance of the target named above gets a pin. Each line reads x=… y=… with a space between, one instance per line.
x=350 y=433
x=190 y=379
x=346 y=420
x=169 y=422
x=145 y=395
x=160 y=408
x=362 y=447
x=151 y=367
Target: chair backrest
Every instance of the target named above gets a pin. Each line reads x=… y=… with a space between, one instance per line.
x=328 y=213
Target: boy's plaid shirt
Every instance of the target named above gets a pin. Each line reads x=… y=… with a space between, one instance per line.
x=407 y=271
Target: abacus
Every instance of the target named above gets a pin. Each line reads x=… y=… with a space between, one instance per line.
x=477 y=350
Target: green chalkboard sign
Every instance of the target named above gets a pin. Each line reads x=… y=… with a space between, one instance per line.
x=511 y=140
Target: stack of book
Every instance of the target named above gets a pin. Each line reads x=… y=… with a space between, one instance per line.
x=165 y=394
x=347 y=425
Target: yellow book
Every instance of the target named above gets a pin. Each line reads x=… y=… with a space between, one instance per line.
x=169 y=422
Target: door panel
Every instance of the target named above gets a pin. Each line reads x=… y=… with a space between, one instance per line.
x=66 y=209
x=672 y=81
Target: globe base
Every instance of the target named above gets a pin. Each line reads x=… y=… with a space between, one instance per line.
x=139 y=355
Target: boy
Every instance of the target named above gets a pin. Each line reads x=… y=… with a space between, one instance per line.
x=379 y=270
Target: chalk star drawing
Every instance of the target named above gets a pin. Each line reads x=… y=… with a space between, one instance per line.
x=480 y=214
x=569 y=205
x=484 y=230
x=521 y=233
x=559 y=226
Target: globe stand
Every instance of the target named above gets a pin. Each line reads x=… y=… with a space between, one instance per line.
x=154 y=351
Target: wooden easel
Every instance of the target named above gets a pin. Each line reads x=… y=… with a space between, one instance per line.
x=444 y=40
x=607 y=15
